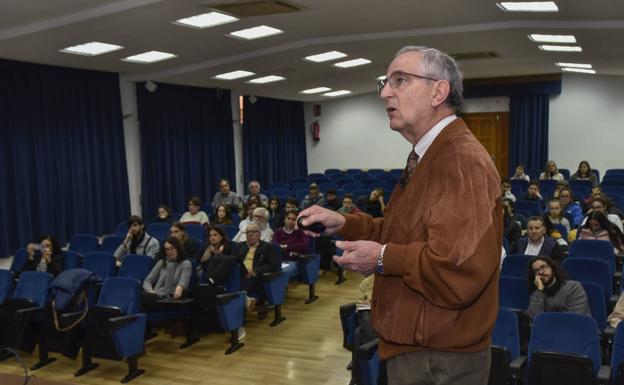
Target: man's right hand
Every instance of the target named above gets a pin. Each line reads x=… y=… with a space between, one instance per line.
x=328 y=218
x=538 y=283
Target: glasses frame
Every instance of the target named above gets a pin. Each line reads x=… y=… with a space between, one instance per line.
x=541 y=269
x=381 y=84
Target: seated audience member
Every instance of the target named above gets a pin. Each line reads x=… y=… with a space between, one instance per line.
x=533 y=193
x=520 y=174
x=223 y=216
x=190 y=246
x=537 y=243
x=551 y=171
x=506 y=190
x=46 y=255
x=163 y=215
x=216 y=258
x=375 y=204
x=552 y=291
x=274 y=211
x=597 y=226
x=555 y=214
x=508 y=205
x=255 y=198
x=168 y=278
x=226 y=197
x=331 y=200
x=292 y=241
x=600 y=203
x=512 y=229
x=291 y=205
x=314 y=197
x=364 y=332
x=256 y=258
x=617 y=314
x=585 y=172
x=571 y=208
x=194 y=214
x=247 y=214
x=348 y=207
x=137 y=241
x=254 y=189
x=261 y=218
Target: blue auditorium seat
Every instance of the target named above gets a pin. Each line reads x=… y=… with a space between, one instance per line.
x=231 y=310
x=136 y=266
x=84 y=243
x=160 y=231
x=101 y=263
x=110 y=243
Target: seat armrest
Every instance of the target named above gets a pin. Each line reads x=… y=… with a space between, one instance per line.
x=307 y=257
x=270 y=277
x=608 y=332
x=117 y=323
x=224 y=299
x=518 y=365
x=28 y=311
x=368 y=349
x=604 y=375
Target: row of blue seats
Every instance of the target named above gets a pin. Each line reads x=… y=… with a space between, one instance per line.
x=582 y=189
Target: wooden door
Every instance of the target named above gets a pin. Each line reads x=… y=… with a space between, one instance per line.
x=492 y=130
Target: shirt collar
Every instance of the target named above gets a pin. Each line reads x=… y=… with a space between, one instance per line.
x=425 y=142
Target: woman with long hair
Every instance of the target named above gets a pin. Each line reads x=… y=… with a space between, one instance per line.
x=216 y=258
x=599 y=227
x=584 y=172
x=44 y=255
x=551 y=171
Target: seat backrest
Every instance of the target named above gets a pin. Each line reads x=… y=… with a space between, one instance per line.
x=84 y=243
x=533 y=207
x=196 y=231
x=513 y=292
x=593 y=248
x=159 y=231
x=515 y=265
x=122 y=229
x=121 y=292
x=110 y=243
x=101 y=263
x=565 y=333
x=590 y=270
x=565 y=172
x=506 y=332
x=71 y=259
x=19 y=260
x=279 y=185
x=6 y=284
x=519 y=187
x=33 y=285
x=229 y=230
x=232 y=282
x=136 y=266
x=597 y=303
x=617 y=353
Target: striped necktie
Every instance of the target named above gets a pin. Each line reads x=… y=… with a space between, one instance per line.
x=410 y=166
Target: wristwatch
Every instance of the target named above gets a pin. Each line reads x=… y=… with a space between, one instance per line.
x=380 y=269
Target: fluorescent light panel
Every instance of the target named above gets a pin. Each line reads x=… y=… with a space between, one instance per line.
x=149 y=57
x=325 y=56
x=316 y=90
x=205 y=20
x=561 y=48
x=581 y=70
x=528 y=6
x=538 y=38
x=352 y=63
x=266 y=79
x=93 y=48
x=234 y=75
x=574 y=65
x=337 y=93
x=256 y=32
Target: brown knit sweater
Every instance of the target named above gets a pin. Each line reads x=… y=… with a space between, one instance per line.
x=443 y=233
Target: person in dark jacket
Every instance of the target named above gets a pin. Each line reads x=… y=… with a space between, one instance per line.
x=215 y=258
x=44 y=255
x=537 y=243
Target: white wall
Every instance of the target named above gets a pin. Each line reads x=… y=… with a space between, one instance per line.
x=587 y=122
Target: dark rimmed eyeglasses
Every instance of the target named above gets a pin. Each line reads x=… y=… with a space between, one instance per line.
x=397 y=79
x=541 y=270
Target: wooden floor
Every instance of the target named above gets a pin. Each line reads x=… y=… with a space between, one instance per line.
x=304 y=349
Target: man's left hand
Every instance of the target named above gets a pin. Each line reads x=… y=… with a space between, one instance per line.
x=360 y=256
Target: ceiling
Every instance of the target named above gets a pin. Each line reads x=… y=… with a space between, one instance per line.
x=35 y=30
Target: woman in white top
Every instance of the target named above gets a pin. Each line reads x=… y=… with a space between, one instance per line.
x=551 y=171
x=599 y=203
x=195 y=215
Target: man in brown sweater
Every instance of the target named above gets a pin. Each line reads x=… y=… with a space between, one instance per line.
x=435 y=252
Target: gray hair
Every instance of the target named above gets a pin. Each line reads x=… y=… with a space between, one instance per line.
x=441 y=66
x=262 y=211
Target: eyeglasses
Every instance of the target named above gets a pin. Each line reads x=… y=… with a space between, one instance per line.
x=541 y=270
x=251 y=231
x=398 y=79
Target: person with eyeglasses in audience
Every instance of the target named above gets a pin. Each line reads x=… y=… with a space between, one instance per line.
x=260 y=217
x=436 y=251
x=585 y=172
x=536 y=242
x=552 y=291
x=137 y=241
x=225 y=196
x=551 y=172
x=194 y=213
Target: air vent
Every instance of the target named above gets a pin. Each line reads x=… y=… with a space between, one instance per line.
x=475 y=55
x=257 y=8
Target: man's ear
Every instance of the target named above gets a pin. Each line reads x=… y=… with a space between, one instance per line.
x=441 y=91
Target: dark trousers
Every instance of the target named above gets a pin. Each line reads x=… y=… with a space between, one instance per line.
x=432 y=367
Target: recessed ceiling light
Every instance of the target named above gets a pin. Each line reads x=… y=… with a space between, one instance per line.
x=574 y=65
x=266 y=79
x=581 y=70
x=561 y=48
x=352 y=63
x=93 y=48
x=382 y=77
x=552 y=38
x=528 y=6
x=206 y=20
x=337 y=93
x=256 y=32
x=316 y=90
x=234 y=75
x=325 y=56
x=149 y=57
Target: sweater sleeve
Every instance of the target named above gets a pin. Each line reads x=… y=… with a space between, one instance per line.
x=185 y=276
x=152 y=247
x=576 y=302
x=536 y=303
x=150 y=280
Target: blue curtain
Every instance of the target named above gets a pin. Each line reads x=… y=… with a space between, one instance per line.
x=274 y=148
x=528 y=131
x=62 y=157
x=187 y=144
